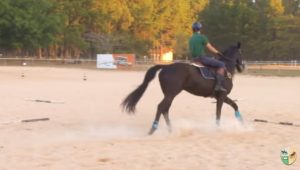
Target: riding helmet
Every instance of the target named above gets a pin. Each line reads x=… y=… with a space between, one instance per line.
x=196 y=26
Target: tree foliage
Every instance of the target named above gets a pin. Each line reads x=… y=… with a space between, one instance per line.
x=268 y=29
x=27 y=24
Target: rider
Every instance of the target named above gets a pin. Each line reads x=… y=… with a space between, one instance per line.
x=197 y=43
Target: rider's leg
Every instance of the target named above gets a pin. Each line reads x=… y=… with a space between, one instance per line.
x=221 y=71
x=197 y=60
x=211 y=62
x=219 y=80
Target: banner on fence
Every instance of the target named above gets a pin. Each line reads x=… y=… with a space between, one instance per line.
x=124 y=59
x=113 y=61
x=106 y=61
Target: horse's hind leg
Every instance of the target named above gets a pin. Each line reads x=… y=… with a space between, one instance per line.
x=163 y=108
x=155 y=122
x=235 y=107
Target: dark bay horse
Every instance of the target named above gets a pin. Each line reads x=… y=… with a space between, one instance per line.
x=176 y=77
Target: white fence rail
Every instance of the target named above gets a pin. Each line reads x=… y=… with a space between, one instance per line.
x=91 y=63
x=288 y=63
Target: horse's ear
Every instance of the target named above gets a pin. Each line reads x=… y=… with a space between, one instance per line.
x=239 y=45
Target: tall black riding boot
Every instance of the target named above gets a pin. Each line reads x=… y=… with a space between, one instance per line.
x=219 y=83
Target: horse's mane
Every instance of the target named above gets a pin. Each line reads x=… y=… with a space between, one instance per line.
x=227 y=53
x=228 y=58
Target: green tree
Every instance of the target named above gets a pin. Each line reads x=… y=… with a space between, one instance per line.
x=26 y=25
x=231 y=21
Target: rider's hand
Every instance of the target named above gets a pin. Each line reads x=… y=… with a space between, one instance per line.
x=219 y=54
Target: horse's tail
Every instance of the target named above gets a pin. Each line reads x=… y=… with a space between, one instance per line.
x=132 y=99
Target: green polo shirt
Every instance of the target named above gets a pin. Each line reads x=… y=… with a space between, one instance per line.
x=197 y=44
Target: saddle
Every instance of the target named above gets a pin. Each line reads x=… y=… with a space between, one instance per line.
x=208 y=72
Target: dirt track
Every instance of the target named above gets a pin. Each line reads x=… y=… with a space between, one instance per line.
x=89 y=132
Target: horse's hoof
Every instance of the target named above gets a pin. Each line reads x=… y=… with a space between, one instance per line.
x=152 y=130
x=218 y=123
x=238 y=114
x=241 y=120
x=239 y=117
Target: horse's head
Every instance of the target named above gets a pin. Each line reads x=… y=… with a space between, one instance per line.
x=233 y=58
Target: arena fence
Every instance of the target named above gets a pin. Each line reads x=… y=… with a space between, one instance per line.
x=273 y=65
x=139 y=64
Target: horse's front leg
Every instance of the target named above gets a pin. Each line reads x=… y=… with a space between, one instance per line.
x=220 y=100
x=235 y=107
